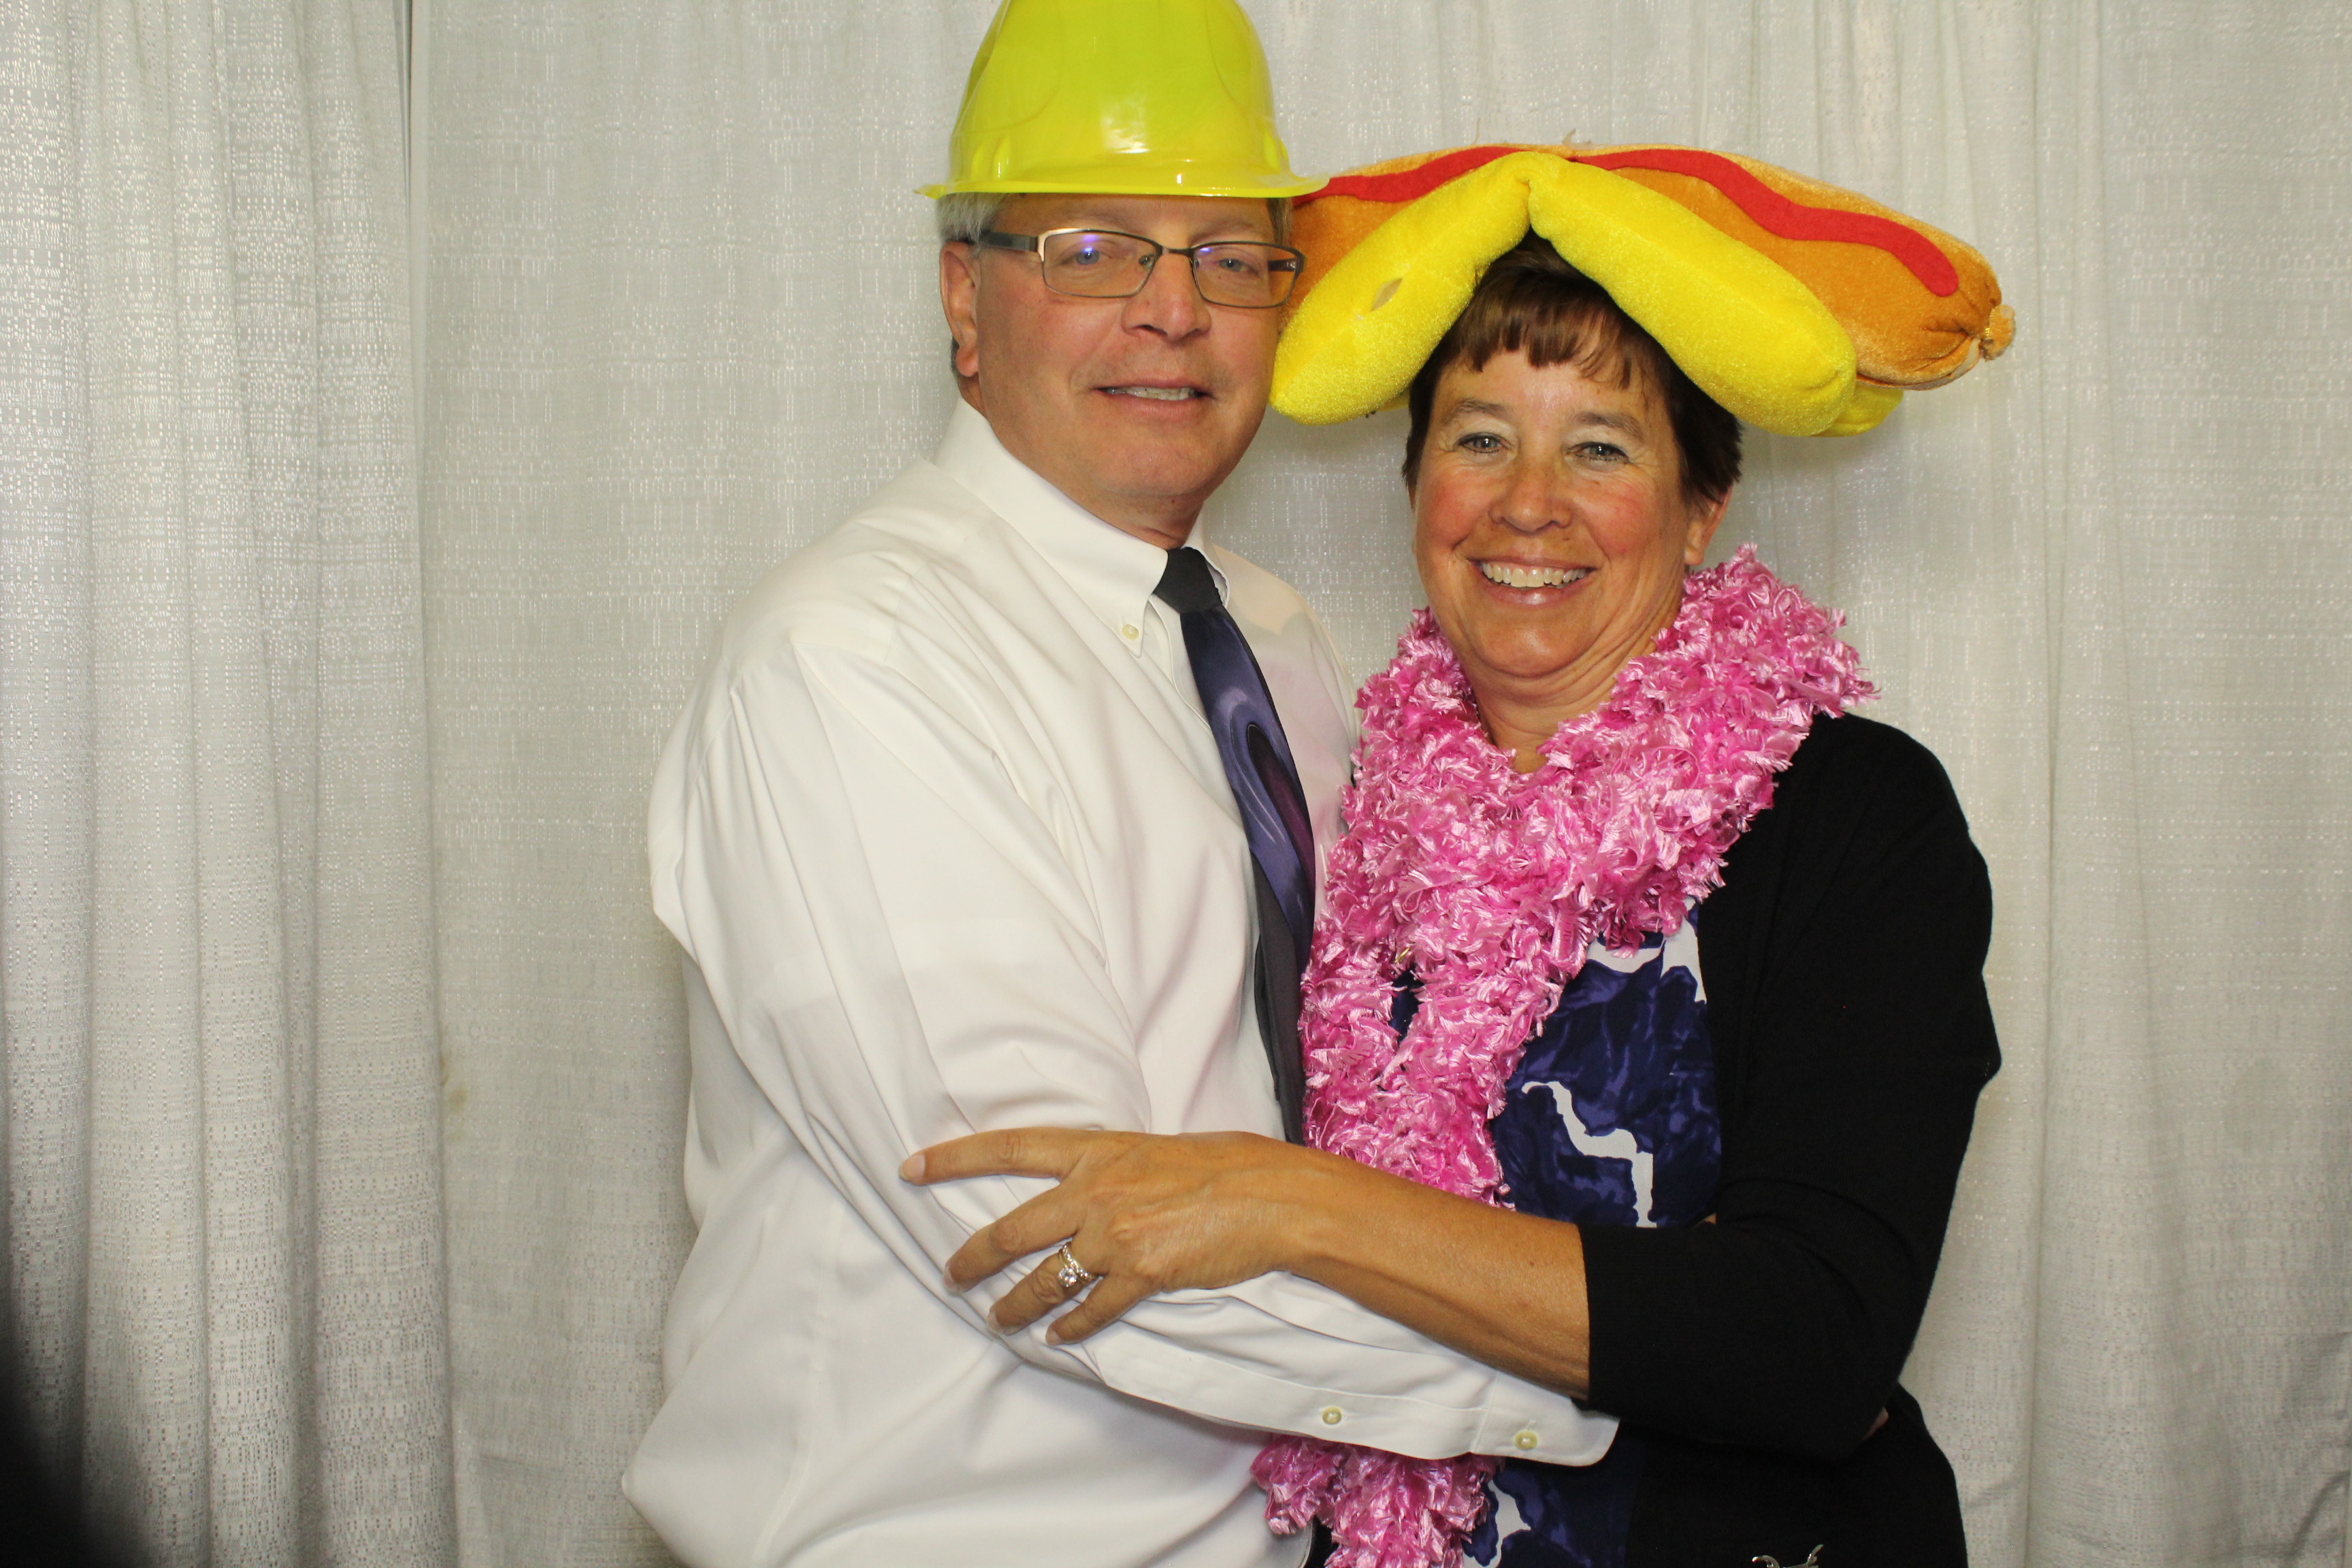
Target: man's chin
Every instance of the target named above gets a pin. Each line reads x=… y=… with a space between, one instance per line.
x=1117 y=467
x=1162 y=462
x=1169 y=483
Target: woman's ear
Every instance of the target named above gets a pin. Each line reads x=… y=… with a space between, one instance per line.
x=1704 y=519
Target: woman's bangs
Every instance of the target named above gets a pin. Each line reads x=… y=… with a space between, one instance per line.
x=1580 y=329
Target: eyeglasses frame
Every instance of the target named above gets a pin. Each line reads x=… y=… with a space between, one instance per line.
x=1034 y=245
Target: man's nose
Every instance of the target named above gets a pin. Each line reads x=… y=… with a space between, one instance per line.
x=1170 y=302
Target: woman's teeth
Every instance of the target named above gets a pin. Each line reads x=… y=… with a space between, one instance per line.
x=1532 y=576
x=1161 y=393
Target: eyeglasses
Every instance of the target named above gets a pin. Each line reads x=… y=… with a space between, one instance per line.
x=1103 y=264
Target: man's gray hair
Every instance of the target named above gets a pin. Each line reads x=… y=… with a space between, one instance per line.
x=964 y=216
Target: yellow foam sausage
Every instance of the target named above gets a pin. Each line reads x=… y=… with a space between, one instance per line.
x=1741 y=326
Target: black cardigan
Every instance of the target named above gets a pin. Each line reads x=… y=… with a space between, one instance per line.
x=1844 y=960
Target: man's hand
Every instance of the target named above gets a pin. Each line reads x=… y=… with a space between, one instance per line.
x=1143 y=1214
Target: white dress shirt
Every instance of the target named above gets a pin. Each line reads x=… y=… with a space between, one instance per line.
x=949 y=847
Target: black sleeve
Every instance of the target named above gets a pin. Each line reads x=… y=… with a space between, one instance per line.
x=1843 y=958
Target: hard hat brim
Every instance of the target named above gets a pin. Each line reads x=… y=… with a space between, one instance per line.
x=1225 y=185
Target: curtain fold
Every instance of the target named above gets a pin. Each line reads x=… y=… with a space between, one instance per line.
x=224 y=1258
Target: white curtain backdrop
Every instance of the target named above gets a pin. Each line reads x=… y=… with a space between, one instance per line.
x=681 y=318
x=224 y=1250
x=678 y=317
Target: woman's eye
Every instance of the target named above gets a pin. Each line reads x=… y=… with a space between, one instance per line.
x=1602 y=452
x=1480 y=441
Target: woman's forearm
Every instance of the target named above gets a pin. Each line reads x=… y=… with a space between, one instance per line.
x=1147 y=1215
x=1504 y=1288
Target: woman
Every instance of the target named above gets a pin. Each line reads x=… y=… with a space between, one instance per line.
x=1726 y=1120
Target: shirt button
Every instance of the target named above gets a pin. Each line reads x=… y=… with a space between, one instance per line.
x=1130 y=632
x=1331 y=1415
x=1527 y=1439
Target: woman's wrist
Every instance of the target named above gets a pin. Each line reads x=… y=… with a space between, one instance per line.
x=1334 y=1213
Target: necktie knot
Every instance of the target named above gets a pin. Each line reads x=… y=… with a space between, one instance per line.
x=1186 y=585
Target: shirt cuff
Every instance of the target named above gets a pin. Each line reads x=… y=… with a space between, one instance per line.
x=1399 y=1392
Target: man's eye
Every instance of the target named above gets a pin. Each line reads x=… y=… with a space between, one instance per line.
x=1092 y=251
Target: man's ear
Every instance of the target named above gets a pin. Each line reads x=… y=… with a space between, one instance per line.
x=959 y=300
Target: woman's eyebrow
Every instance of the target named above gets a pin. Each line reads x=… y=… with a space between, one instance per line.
x=1606 y=419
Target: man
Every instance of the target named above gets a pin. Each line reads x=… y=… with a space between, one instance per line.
x=980 y=818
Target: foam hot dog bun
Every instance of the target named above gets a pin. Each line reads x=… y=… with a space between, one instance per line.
x=1804 y=309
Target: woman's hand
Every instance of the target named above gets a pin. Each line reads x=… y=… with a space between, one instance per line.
x=1143 y=1214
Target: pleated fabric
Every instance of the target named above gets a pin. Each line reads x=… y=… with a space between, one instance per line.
x=225 y=1274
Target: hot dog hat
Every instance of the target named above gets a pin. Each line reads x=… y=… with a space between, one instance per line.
x=1804 y=309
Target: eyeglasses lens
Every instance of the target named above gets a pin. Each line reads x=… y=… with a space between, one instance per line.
x=1105 y=265
x=1114 y=266
x=1253 y=275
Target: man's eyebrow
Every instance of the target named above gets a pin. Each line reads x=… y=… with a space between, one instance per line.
x=1230 y=231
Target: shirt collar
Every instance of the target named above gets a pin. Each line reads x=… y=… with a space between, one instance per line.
x=1109 y=569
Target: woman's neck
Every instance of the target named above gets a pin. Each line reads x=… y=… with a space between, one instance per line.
x=1521 y=714
x=1521 y=728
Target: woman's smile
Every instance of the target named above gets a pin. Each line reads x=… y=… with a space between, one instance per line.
x=1505 y=574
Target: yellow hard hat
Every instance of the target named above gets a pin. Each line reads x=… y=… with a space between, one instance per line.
x=1131 y=98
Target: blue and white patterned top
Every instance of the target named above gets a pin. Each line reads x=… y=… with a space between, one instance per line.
x=1610 y=1119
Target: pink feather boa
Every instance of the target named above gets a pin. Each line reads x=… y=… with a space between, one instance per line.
x=1491 y=884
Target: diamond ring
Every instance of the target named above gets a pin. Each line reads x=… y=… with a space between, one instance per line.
x=1072 y=1274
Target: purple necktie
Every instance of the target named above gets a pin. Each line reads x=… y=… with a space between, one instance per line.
x=1256 y=756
